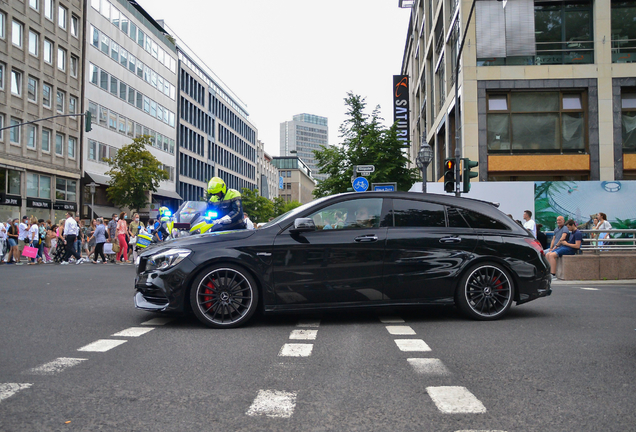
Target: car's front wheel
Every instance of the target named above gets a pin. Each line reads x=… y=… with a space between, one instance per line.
x=224 y=296
x=485 y=292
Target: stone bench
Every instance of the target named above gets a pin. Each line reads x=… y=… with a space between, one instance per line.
x=597 y=266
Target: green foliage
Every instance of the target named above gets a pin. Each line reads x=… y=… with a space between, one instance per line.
x=134 y=171
x=365 y=142
x=259 y=208
x=281 y=206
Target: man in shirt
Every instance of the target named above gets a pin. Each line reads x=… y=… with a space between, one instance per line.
x=23 y=235
x=529 y=223
x=71 y=231
x=566 y=247
x=560 y=232
x=248 y=223
x=112 y=233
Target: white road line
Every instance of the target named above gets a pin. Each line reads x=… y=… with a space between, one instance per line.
x=590 y=289
x=428 y=366
x=9 y=389
x=455 y=400
x=157 y=321
x=273 y=403
x=304 y=334
x=102 y=345
x=309 y=323
x=400 y=330
x=296 y=350
x=391 y=320
x=57 y=365
x=412 y=345
x=479 y=430
x=134 y=331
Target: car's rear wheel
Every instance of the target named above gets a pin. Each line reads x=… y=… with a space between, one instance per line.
x=224 y=296
x=486 y=292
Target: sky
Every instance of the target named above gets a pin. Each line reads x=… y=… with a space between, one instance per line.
x=287 y=57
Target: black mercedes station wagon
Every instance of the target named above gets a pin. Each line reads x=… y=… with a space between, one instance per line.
x=370 y=249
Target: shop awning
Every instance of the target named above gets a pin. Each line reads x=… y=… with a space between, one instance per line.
x=167 y=194
x=99 y=178
x=104 y=211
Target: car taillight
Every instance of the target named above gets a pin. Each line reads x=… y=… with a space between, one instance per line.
x=535 y=244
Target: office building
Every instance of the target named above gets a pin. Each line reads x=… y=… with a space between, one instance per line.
x=40 y=77
x=266 y=173
x=131 y=90
x=546 y=88
x=302 y=136
x=298 y=182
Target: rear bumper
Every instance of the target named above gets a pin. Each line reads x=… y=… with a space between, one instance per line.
x=542 y=289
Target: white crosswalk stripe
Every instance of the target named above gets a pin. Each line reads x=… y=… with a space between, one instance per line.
x=303 y=334
x=412 y=345
x=102 y=345
x=9 y=389
x=428 y=366
x=134 y=331
x=455 y=400
x=57 y=365
x=296 y=350
x=400 y=330
x=273 y=403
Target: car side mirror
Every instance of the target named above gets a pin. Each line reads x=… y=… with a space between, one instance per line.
x=303 y=225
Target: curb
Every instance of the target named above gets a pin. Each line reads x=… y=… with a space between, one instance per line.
x=594 y=282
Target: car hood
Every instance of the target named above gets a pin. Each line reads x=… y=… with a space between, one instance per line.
x=206 y=238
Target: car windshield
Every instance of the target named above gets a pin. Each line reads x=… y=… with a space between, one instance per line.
x=293 y=212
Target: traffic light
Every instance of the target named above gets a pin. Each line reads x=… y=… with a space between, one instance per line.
x=88 y=121
x=467 y=174
x=449 y=175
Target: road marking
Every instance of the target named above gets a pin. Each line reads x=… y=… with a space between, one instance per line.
x=134 y=331
x=304 y=334
x=9 y=389
x=455 y=400
x=102 y=345
x=157 y=321
x=391 y=320
x=296 y=350
x=309 y=323
x=412 y=345
x=400 y=330
x=57 y=365
x=478 y=430
x=273 y=403
x=428 y=366
x=590 y=289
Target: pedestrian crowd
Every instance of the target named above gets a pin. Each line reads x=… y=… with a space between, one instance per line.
x=36 y=241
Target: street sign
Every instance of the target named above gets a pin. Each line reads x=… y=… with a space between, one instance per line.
x=366 y=174
x=360 y=184
x=384 y=187
x=365 y=168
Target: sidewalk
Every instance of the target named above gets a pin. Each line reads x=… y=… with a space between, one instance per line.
x=594 y=282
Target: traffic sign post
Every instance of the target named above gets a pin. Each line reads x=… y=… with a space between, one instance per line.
x=360 y=184
x=365 y=169
x=384 y=187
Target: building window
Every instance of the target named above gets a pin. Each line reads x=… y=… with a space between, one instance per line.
x=628 y=121
x=46 y=95
x=1 y=131
x=74 y=66
x=60 y=101
x=103 y=79
x=59 y=144
x=113 y=85
x=92 y=150
x=65 y=190
x=14 y=135
x=16 y=82
x=2 y=21
x=38 y=186
x=537 y=122
x=93 y=73
x=61 y=17
x=32 y=89
x=61 y=59
x=72 y=145
x=35 y=4
x=48 y=51
x=31 y=136
x=46 y=140
x=34 y=43
x=75 y=26
x=16 y=35
x=72 y=105
x=48 y=9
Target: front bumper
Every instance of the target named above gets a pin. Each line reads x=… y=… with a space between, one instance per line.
x=159 y=291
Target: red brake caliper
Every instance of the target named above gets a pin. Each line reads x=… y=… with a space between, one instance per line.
x=209 y=289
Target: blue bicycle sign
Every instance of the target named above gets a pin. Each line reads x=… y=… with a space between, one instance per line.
x=360 y=184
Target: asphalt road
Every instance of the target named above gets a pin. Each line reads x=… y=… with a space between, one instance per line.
x=564 y=363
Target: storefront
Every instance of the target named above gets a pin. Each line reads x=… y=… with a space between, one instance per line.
x=61 y=208
x=10 y=206
x=39 y=208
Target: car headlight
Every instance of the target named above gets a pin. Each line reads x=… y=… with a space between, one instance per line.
x=166 y=259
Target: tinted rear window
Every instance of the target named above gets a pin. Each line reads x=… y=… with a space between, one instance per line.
x=408 y=213
x=480 y=221
x=455 y=219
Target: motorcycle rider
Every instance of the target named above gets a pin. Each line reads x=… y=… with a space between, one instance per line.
x=228 y=205
x=164 y=218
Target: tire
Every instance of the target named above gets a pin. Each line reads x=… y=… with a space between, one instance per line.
x=485 y=292
x=224 y=296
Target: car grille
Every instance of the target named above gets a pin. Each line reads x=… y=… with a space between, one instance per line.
x=156 y=299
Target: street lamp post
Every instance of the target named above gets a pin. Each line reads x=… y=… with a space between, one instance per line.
x=92 y=185
x=424 y=158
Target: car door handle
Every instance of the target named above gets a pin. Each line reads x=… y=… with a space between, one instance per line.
x=450 y=240
x=366 y=238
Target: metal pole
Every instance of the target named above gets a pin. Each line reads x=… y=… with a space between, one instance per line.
x=424 y=172
x=92 y=205
x=458 y=154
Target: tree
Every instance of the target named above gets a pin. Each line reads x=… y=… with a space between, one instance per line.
x=259 y=208
x=134 y=171
x=365 y=142
x=281 y=206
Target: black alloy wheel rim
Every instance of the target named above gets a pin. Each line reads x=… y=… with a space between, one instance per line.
x=224 y=296
x=488 y=291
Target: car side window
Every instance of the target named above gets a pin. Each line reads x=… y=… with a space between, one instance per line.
x=354 y=214
x=455 y=219
x=480 y=221
x=411 y=213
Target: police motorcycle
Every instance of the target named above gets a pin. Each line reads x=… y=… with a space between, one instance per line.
x=192 y=217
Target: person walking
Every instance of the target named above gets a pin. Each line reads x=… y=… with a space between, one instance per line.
x=41 y=238
x=529 y=224
x=603 y=224
x=112 y=230
x=71 y=230
x=79 y=240
x=90 y=242
x=34 y=237
x=248 y=223
x=122 y=229
x=99 y=238
x=23 y=236
x=48 y=243
x=3 y=241
x=133 y=231
x=13 y=235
